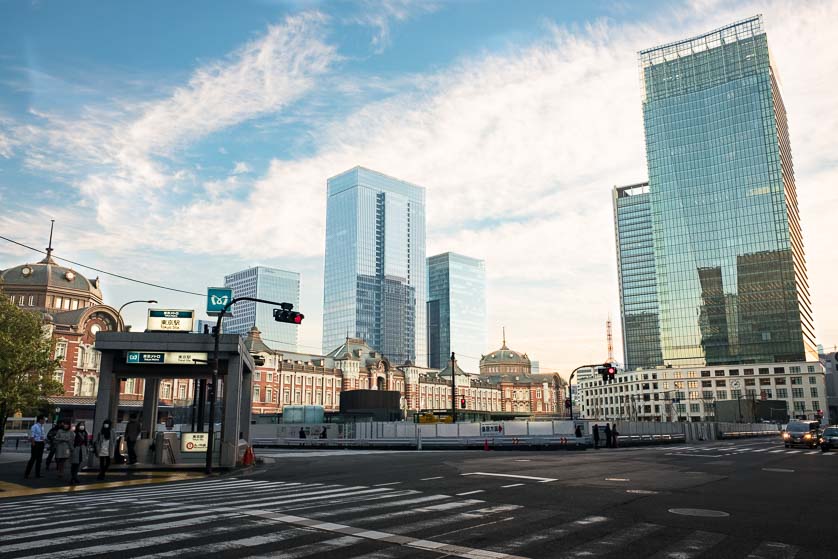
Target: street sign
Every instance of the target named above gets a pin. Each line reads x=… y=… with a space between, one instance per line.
x=170 y=320
x=217 y=299
x=193 y=442
x=165 y=358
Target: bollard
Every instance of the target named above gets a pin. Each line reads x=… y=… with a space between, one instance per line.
x=486 y=444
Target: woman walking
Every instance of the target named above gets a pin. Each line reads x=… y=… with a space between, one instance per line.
x=104 y=448
x=63 y=446
x=79 y=455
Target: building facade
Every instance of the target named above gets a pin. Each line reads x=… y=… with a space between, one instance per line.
x=637 y=281
x=293 y=379
x=457 y=319
x=829 y=360
x=691 y=393
x=730 y=272
x=375 y=269
x=270 y=284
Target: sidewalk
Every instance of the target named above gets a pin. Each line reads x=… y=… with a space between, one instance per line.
x=13 y=465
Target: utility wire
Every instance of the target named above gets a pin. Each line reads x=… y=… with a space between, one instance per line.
x=158 y=286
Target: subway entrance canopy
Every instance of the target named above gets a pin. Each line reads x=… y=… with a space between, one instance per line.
x=153 y=356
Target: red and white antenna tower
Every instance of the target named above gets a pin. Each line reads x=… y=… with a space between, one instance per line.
x=610 y=340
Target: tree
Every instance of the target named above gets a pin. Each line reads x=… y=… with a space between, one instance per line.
x=26 y=365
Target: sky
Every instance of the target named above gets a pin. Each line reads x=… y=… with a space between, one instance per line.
x=176 y=142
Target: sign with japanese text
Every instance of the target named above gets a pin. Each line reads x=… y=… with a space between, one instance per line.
x=170 y=320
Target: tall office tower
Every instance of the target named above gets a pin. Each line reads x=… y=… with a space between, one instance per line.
x=456 y=311
x=270 y=284
x=636 y=271
x=374 y=283
x=729 y=263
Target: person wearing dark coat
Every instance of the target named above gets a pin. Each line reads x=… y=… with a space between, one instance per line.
x=608 y=435
x=51 y=442
x=302 y=433
x=105 y=445
x=79 y=452
x=614 y=435
x=578 y=431
x=595 y=431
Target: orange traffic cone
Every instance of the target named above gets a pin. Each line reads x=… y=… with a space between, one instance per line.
x=248 y=459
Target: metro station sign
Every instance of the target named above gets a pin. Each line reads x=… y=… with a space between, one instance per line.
x=170 y=320
x=165 y=358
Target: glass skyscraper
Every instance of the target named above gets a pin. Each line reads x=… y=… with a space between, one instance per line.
x=730 y=273
x=375 y=277
x=636 y=270
x=264 y=283
x=456 y=311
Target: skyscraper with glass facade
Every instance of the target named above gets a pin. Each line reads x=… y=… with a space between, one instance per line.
x=730 y=273
x=271 y=284
x=636 y=270
x=456 y=311
x=375 y=276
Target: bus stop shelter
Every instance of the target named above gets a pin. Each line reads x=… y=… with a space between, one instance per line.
x=153 y=356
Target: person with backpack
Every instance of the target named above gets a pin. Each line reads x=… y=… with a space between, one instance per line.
x=79 y=453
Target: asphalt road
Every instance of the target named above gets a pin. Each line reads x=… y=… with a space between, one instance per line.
x=749 y=499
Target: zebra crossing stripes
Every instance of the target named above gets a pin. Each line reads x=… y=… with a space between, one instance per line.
x=253 y=518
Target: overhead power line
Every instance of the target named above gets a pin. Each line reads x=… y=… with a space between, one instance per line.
x=120 y=276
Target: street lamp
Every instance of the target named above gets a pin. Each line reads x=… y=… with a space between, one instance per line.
x=119 y=312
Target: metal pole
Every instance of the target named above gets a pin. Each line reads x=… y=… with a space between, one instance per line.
x=121 y=324
x=202 y=403
x=453 y=389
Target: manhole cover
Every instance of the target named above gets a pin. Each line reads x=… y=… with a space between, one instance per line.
x=700 y=512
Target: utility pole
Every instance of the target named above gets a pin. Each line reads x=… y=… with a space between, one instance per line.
x=453 y=389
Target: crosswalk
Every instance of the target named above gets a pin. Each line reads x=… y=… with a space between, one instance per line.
x=254 y=518
x=735 y=450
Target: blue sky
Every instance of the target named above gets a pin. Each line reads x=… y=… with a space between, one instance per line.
x=179 y=141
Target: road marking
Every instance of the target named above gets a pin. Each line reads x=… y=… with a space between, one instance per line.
x=642 y=491
x=521 y=460
x=449 y=506
x=782 y=470
x=776 y=451
x=534 y=478
x=793 y=451
x=705 y=513
x=386 y=484
x=762 y=449
x=695 y=455
x=430 y=478
x=229 y=545
x=470 y=492
x=813 y=452
x=774 y=550
x=383 y=505
x=512 y=485
x=692 y=546
x=607 y=545
x=313 y=548
x=553 y=533
x=16 y=490
x=617 y=479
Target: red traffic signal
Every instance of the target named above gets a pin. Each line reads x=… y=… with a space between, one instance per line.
x=462 y=403
x=288 y=316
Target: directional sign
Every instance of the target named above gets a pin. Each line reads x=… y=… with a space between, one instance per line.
x=193 y=442
x=165 y=358
x=217 y=299
x=170 y=320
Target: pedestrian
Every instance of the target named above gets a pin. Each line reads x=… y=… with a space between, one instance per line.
x=105 y=448
x=37 y=439
x=302 y=433
x=614 y=435
x=63 y=446
x=79 y=454
x=578 y=431
x=323 y=433
x=607 y=435
x=595 y=431
x=51 y=443
x=132 y=433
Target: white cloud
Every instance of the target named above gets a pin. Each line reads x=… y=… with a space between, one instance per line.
x=240 y=168
x=379 y=14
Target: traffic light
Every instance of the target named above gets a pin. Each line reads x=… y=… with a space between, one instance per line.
x=463 y=402
x=285 y=314
x=608 y=372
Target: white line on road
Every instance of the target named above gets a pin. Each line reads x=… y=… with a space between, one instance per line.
x=774 y=550
x=781 y=470
x=512 y=485
x=617 y=479
x=430 y=478
x=385 y=484
x=470 y=492
x=692 y=546
x=534 y=478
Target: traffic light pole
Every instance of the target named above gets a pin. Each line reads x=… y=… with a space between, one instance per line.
x=213 y=394
x=570 y=384
x=453 y=389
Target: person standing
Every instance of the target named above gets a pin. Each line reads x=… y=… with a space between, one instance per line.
x=578 y=431
x=302 y=433
x=132 y=433
x=104 y=448
x=37 y=439
x=595 y=431
x=63 y=446
x=79 y=454
x=614 y=435
x=607 y=435
x=51 y=442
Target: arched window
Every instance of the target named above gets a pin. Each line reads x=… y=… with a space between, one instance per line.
x=76 y=386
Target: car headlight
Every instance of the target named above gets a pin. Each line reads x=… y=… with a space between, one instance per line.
x=807 y=436
x=785 y=435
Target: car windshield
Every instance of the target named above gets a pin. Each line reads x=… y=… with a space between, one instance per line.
x=799 y=427
x=831 y=432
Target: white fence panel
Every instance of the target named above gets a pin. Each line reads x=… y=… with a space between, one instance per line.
x=428 y=430
x=541 y=428
x=514 y=428
x=469 y=429
x=446 y=429
x=563 y=427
